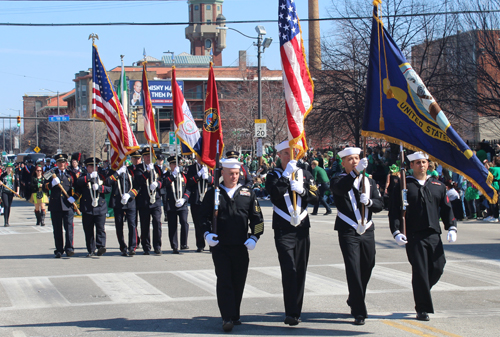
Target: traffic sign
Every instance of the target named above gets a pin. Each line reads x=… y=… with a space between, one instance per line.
x=59 y=151
x=36 y=149
x=259 y=148
x=59 y=118
x=260 y=128
x=4 y=153
x=172 y=138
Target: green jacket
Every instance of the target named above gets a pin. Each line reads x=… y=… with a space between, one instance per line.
x=320 y=175
x=496 y=177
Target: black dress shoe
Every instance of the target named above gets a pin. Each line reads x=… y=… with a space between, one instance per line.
x=101 y=251
x=70 y=253
x=315 y=213
x=422 y=316
x=131 y=252
x=236 y=322
x=184 y=247
x=328 y=212
x=199 y=250
x=175 y=251
x=6 y=225
x=124 y=252
x=158 y=251
x=359 y=320
x=58 y=255
x=146 y=252
x=227 y=326
x=291 y=320
x=91 y=254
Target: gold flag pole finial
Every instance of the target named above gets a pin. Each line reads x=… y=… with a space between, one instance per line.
x=93 y=37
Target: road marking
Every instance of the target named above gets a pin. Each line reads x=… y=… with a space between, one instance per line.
x=430 y=328
x=43 y=229
x=18 y=333
x=33 y=293
x=407 y=329
x=128 y=288
x=7 y=231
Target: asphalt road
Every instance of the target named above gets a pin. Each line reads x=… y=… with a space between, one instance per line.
x=175 y=294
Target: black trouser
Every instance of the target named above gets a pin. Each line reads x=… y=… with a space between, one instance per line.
x=90 y=221
x=60 y=219
x=131 y=215
x=426 y=255
x=322 y=189
x=145 y=215
x=198 y=230
x=359 y=259
x=164 y=202
x=172 y=227
x=293 y=253
x=7 y=204
x=231 y=268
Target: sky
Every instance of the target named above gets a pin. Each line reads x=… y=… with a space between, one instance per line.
x=36 y=58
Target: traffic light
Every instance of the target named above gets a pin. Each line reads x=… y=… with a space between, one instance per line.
x=18 y=121
x=29 y=142
x=134 y=117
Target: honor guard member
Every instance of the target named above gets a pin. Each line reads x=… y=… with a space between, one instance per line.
x=148 y=201
x=61 y=207
x=245 y=177
x=356 y=230
x=427 y=203
x=27 y=175
x=94 y=207
x=177 y=197
x=198 y=181
x=239 y=226
x=136 y=160
x=291 y=229
x=47 y=166
x=123 y=192
x=75 y=167
x=160 y=158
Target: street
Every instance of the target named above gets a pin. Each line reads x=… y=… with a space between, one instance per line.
x=175 y=294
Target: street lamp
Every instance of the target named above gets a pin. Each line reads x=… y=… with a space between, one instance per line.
x=20 y=139
x=58 y=122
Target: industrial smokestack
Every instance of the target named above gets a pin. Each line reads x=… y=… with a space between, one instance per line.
x=314 y=36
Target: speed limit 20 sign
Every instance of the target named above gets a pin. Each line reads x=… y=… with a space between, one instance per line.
x=260 y=128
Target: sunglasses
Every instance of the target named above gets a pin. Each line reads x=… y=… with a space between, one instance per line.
x=38 y=170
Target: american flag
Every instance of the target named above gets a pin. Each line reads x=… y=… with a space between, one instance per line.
x=299 y=87
x=107 y=108
x=149 y=117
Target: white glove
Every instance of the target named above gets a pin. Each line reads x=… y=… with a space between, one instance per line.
x=250 y=244
x=121 y=170
x=205 y=176
x=452 y=235
x=401 y=239
x=93 y=174
x=153 y=186
x=176 y=171
x=363 y=163
x=202 y=171
x=209 y=237
x=95 y=186
x=125 y=198
x=71 y=200
x=150 y=167
x=297 y=186
x=364 y=198
x=290 y=168
x=180 y=202
x=55 y=181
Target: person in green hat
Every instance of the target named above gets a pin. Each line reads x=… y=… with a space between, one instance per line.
x=10 y=180
x=393 y=179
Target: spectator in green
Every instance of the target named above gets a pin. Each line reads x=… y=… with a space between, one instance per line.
x=495 y=171
x=323 y=183
x=481 y=153
x=432 y=170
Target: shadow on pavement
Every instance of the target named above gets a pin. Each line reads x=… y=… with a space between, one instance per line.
x=483 y=250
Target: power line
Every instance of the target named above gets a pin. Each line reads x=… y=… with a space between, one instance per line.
x=238 y=21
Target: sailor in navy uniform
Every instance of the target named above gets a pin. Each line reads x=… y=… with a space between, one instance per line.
x=427 y=203
x=198 y=181
x=356 y=236
x=177 y=197
x=239 y=226
x=245 y=176
x=60 y=207
x=291 y=229
x=124 y=190
x=92 y=187
x=149 y=182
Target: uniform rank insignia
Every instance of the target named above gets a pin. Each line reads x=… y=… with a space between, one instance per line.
x=435 y=183
x=245 y=193
x=257 y=208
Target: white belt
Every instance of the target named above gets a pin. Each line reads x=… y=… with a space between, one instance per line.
x=287 y=216
x=352 y=222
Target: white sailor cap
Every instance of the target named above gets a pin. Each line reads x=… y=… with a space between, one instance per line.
x=418 y=155
x=348 y=151
x=286 y=145
x=231 y=163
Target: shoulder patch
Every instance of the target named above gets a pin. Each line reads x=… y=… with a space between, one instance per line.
x=435 y=183
x=246 y=193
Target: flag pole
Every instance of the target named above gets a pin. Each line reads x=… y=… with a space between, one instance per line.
x=94 y=194
x=294 y=195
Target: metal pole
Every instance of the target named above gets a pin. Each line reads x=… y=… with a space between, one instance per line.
x=259 y=76
x=20 y=136
x=36 y=124
x=10 y=127
x=4 y=135
x=59 y=126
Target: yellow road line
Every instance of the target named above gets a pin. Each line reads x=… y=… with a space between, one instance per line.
x=407 y=329
x=423 y=326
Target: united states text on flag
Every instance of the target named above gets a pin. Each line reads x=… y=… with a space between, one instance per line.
x=299 y=87
x=107 y=108
x=149 y=118
x=184 y=125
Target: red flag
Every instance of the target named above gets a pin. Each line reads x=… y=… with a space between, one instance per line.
x=149 y=118
x=212 y=128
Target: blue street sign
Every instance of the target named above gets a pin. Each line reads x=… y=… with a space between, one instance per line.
x=60 y=118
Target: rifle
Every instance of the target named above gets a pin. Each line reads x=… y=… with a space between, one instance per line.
x=217 y=191
x=361 y=228
x=66 y=194
x=404 y=191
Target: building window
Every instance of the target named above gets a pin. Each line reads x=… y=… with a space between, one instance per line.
x=218 y=8
x=84 y=108
x=209 y=21
x=38 y=105
x=208 y=43
x=196 y=7
x=209 y=7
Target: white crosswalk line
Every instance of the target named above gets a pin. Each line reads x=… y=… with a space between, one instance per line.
x=7 y=231
x=487 y=276
x=127 y=288
x=43 y=229
x=33 y=292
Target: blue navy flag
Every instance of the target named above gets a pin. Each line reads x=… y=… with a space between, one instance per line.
x=400 y=109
